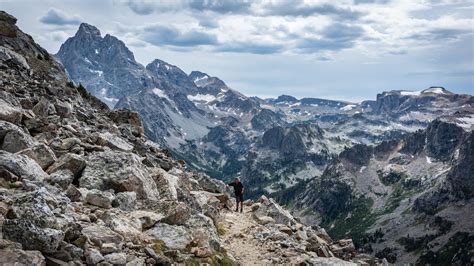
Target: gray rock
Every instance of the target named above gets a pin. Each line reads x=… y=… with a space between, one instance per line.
x=21 y=257
x=16 y=140
x=105 y=170
x=44 y=108
x=73 y=193
x=72 y=162
x=125 y=201
x=174 y=236
x=62 y=178
x=42 y=154
x=108 y=248
x=147 y=218
x=32 y=236
x=93 y=256
x=114 y=142
x=10 y=113
x=116 y=258
x=63 y=109
x=99 y=198
x=22 y=166
x=99 y=234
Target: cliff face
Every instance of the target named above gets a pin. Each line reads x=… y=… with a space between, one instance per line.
x=81 y=184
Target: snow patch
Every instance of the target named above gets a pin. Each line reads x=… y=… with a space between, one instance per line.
x=96 y=51
x=428 y=160
x=201 y=98
x=410 y=93
x=348 y=107
x=201 y=78
x=436 y=90
x=160 y=93
x=99 y=72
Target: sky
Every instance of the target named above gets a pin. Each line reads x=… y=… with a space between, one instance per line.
x=345 y=50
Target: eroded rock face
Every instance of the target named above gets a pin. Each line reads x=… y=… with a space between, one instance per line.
x=105 y=170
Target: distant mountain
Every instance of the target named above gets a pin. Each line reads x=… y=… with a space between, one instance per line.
x=400 y=198
x=104 y=65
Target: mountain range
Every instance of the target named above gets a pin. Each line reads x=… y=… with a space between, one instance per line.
x=400 y=164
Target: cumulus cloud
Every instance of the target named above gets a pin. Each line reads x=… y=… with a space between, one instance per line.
x=300 y=8
x=160 y=35
x=251 y=48
x=334 y=37
x=58 y=17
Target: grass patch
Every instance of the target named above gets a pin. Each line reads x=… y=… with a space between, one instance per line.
x=158 y=246
x=221 y=229
x=356 y=225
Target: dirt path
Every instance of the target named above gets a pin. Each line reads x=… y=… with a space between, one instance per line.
x=239 y=241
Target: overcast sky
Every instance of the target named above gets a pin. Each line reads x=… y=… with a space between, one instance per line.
x=349 y=50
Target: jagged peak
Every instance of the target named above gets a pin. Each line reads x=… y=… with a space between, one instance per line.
x=4 y=16
x=88 y=29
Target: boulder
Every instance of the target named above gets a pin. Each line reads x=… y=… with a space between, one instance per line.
x=93 y=256
x=43 y=108
x=127 y=226
x=22 y=166
x=167 y=184
x=116 y=258
x=64 y=109
x=125 y=201
x=173 y=236
x=113 y=141
x=99 y=198
x=201 y=252
x=264 y=219
x=177 y=213
x=42 y=154
x=272 y=209
x=72 y=162
x=62 y=178
x=124 y=116
x=108 y=248
x=105 y=170
x=21 y=257
x=31 y=235
x=16 y=140
x=73 y=193
x=10 y=113
x=99 y=235
x=147 y=219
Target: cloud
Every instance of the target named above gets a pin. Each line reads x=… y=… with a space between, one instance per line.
x=334 y=37
x=160 y=35
x=57 y=17
x=300 y=9
x=142 y=7
x=439 y=34
x=221 y=6
x=251 y=48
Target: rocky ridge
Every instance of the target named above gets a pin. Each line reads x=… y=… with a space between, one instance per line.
x=81 y=184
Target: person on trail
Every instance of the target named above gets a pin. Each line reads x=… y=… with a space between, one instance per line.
x=239 y=193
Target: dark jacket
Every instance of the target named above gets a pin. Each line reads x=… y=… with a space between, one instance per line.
x=238 y=187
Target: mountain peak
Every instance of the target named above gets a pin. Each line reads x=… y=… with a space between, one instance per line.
x=88 y=29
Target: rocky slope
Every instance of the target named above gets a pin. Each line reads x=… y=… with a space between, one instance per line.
x=81 y=184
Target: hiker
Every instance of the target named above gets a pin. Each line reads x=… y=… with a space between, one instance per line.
x=239 y=193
